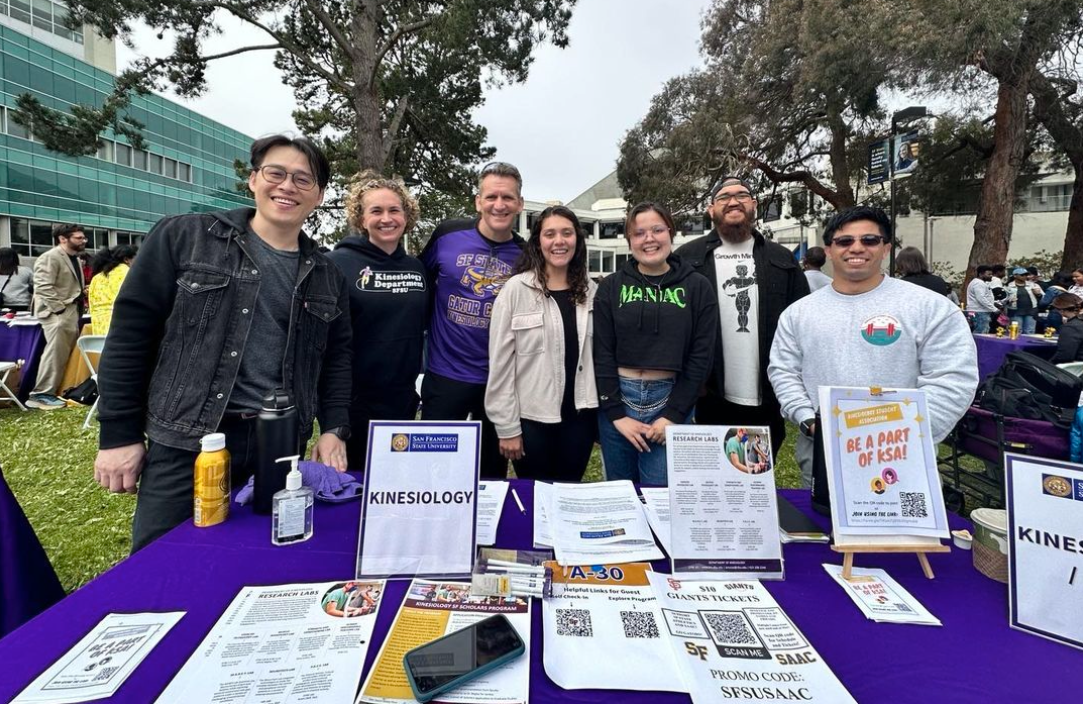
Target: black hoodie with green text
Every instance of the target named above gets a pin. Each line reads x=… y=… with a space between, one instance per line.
x=666 y=323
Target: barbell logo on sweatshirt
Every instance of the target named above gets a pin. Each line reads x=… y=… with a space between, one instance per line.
x=371 y=281
x=881 y=330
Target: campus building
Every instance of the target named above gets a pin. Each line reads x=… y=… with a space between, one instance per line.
x=119 y=192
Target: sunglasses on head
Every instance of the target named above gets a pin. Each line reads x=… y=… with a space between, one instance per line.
x=866 y=240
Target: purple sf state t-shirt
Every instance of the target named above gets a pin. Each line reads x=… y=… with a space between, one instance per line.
x=468 y=272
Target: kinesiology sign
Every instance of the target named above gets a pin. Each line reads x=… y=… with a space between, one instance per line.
x=419 y=507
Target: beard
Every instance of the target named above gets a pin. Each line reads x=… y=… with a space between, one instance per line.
x=734 y=232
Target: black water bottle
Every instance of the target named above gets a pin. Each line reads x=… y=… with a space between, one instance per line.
x=277 y=435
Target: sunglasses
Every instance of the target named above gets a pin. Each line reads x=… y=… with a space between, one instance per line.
x=866 y=240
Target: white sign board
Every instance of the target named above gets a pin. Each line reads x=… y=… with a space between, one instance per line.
x=419 y=508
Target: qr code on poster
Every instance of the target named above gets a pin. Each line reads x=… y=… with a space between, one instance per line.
x=730 y=629
x=639 y=624
x=105 y=674
x=574 y=622
x=913 y=504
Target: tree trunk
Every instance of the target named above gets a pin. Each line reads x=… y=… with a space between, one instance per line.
x=1073 y=235
x=840 y=167
x=368 y=128
x=993 y=227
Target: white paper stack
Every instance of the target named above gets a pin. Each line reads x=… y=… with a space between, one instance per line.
x=881 y=598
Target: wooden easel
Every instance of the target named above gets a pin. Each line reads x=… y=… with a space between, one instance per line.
x=848 y=552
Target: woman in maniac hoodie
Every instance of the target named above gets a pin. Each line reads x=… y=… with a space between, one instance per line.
x=388 y=306
x=654 y=327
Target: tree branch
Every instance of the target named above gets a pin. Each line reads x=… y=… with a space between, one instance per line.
x=805 y=177
x=394 y=126
x=394 y=38
x=332 y=28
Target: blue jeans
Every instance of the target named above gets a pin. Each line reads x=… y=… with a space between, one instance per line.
x=644 y=400
x=981 y=322
x=1027 y=323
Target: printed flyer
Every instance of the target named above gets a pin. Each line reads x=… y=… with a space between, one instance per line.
x=881 y=464
x=283 y=644
x=1045 y=547
x=723 y=503
x=433 y=609
x=607 y=609
x=735 y=643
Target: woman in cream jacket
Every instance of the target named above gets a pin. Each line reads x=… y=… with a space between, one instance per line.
x=541 y=394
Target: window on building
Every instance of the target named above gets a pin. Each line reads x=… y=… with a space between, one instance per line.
x=139 y=159
x=184 y=172
x=588 y=228
x=43 y=14
x=621 y=260
x=96 y=238
x=105 y=151
x=123 y=154
x=594 y=261
x=611 y=230
x=20 y=10
x=14 y=128
x=132 y=238
x=170 y=168
x=155 y=164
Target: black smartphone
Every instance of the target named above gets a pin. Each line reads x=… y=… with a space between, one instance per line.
x=457 y=658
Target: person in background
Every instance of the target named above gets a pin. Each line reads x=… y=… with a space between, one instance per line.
x=16 y=282
x=655 y=324
x=980 y=303
x=1060 y=283
x=388 y=306
x=1070 y=339
x=58 y=303
x=109 y=267
x=541 y=394
x=1077 y=282
x=911 y=266
x=1023 y=297
x=815 y=258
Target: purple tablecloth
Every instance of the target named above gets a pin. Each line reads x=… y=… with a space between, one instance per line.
x=25 y=342
x=28 y=584
x=975 y=657
x=992 y=350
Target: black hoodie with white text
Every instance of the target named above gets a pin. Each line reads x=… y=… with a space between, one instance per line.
x=666 y=323
x=389 y=309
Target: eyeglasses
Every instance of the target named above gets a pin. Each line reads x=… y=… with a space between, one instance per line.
x=742 y=197
x=866 y=240
x=657 y=231
x=276 y=174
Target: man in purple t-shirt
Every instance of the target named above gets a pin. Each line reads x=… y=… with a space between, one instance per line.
x=468 y=262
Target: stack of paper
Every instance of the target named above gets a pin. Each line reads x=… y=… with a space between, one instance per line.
x=881 y=598
x=598 y=523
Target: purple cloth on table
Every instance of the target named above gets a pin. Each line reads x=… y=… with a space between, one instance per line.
x=975 y=657
x=28 y=584
x=993 y=350
x=329 y=485
x=25 y=342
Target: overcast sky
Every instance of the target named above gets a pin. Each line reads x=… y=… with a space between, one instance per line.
x=562 y=127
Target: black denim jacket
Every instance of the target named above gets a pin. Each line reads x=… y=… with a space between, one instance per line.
x=180 y=324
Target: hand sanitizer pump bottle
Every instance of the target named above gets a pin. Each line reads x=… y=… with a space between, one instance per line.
x=292 y=508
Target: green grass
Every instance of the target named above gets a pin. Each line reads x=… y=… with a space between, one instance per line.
x=48 y=462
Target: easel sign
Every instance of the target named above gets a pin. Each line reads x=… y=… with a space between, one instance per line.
x=1044 y=499
x=882 y=473
x=419 y=507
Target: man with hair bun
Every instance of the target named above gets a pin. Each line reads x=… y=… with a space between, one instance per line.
x=388 y=305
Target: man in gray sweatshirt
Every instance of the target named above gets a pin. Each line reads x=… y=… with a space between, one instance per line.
x=866 y=329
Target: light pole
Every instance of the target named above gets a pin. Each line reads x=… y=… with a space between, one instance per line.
x=905 y=115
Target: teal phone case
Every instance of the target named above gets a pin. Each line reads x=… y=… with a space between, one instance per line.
x=462 y=679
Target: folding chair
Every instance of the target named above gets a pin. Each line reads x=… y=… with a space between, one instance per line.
x=5 y=390
x=91 y=344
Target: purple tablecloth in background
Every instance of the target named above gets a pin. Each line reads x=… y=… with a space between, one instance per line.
x=25 y=342
x=975 y=657
x=992 y=350
x=28 y=584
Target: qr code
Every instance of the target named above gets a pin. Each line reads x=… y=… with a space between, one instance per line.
x=730 y=629
x=105 y=674
x=639 y=624
x=913 y=504
x=574 y=622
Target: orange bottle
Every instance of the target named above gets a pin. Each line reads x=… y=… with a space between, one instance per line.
x=211 y=500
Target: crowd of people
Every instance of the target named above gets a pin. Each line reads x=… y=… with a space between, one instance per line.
x=997 y=298
x=220 y=308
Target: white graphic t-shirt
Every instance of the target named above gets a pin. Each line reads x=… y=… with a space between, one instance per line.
x=738 y=307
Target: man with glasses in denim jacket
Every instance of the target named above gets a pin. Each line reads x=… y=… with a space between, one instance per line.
x=867 y=329
x=756 y=279
x=469 y=261
x=219 y=310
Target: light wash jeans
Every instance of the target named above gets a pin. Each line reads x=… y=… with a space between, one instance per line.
x=644 y=400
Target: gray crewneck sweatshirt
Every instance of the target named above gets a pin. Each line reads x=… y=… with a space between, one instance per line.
x=896 y=336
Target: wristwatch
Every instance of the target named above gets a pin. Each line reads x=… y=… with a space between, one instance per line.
x=341 y=432
x=807 y=428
